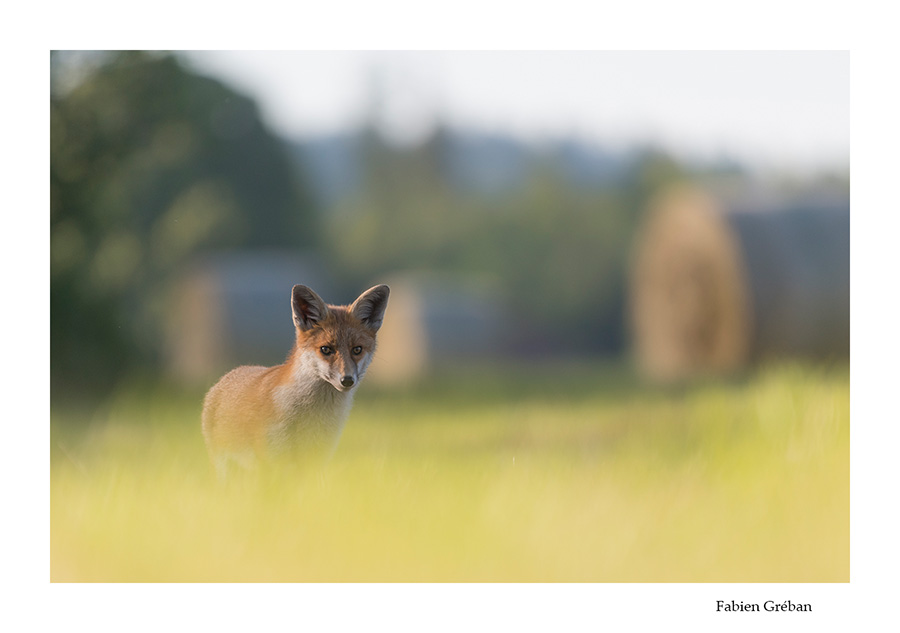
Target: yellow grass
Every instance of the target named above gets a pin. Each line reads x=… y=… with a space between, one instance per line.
x=573 y=475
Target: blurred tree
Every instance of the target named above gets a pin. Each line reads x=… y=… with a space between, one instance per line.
x=150 y=164
x=559 y=251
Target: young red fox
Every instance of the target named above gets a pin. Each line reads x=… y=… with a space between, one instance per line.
x=254 y=412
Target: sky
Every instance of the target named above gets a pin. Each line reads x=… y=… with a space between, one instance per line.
x=779 y=110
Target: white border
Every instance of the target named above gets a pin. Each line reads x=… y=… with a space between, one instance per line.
x=32 y=31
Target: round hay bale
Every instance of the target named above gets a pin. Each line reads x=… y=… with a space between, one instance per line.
x=717 y=284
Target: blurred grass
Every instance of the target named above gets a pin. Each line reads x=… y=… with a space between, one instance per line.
x=573 y=473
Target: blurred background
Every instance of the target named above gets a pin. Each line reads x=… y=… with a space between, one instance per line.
x=684 y=213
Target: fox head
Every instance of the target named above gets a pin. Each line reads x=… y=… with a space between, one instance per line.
x=337 y=342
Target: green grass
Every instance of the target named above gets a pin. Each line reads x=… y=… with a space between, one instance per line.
x=562 y=474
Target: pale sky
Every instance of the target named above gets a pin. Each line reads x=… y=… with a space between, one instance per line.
x=769 y=109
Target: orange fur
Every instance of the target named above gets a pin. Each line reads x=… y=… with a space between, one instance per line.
x=255 y=411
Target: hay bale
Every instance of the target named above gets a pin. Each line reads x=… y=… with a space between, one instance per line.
x=719 y=283
x=436 y=321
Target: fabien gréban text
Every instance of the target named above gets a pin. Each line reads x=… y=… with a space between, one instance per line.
x=768 y=605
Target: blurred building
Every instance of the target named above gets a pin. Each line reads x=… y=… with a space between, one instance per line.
x=234 y=309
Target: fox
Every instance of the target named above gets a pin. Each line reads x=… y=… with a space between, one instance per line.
x=254 y=413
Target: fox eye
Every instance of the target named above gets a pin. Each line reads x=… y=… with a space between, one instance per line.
x=326 y=350
x=356 y=350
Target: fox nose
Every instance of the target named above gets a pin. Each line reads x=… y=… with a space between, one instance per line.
x=347 y=381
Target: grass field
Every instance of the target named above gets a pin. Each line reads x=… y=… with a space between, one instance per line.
x=558 y=474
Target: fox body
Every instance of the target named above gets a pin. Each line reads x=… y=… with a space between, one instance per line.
x=254 y=412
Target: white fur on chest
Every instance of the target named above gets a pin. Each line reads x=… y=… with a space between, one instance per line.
x=310 y=410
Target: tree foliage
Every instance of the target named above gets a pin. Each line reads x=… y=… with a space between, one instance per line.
x=558 y=251
x=151 y=164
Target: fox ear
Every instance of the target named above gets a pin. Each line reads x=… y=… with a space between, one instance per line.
x=369 y=307
x=307 y=306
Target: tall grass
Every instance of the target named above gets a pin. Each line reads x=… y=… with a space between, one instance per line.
x=563 y=475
